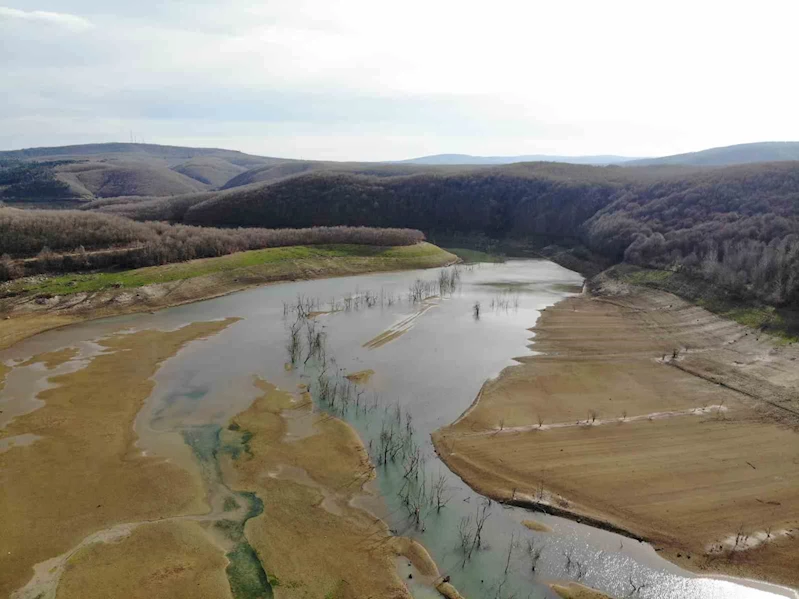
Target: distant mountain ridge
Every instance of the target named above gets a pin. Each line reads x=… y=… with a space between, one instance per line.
x=768 y=151
x=80 y=173
x=170 y=154
x=467 y=159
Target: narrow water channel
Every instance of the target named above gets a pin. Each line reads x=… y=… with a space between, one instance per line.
x=429 y=361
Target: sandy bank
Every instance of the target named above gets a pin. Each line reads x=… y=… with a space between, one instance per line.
x=57 y=303
x=577 y=591
x=653 y=416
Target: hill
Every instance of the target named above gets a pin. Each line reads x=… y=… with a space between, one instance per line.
x=276 y=172
x=170 y=155
x=209 y=170
x=737 y=227
x=770 y=151
x=461 y=159
x=132 y=178
x=85 y=172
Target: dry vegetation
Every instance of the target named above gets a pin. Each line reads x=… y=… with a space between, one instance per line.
x=58 y=241
x=654 y=416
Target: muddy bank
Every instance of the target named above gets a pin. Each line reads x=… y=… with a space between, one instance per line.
x=650 y=417
x=26 y=314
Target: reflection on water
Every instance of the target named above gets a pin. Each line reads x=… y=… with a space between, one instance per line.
x=433 y=370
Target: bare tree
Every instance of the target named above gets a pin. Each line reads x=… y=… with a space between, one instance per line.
x=441 y=492
x=636 y=588
x=294 y=344
x=466 y=536
x=511 y=549
x=483 y=512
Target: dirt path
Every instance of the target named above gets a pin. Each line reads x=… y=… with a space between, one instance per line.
x=654 y=416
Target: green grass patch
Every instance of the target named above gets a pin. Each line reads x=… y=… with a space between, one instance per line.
x=412 y=256
x=474 y=256
x=647 y=277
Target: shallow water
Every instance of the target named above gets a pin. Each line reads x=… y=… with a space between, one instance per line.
x=433 y=369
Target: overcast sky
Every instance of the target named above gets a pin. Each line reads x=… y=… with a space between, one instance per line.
x=377 y=80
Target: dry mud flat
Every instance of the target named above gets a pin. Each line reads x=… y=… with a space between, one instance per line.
x=310 y=536
x=267 y=506
x=83 y=474
x=654 y=416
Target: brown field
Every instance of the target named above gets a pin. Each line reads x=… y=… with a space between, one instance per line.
x=83 y=474
x=693 y=452
x=309 y=536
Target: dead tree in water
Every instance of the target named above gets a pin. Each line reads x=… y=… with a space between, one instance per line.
x=294 y=344
x=441 y=492
x=483 y=512
x=636 y=588
x=511 y=548
x=534 y=553
x=466 y=536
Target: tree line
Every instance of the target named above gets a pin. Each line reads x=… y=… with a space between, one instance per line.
x=69 y=240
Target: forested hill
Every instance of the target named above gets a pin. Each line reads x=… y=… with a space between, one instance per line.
x=770 y=151
x=736 y=226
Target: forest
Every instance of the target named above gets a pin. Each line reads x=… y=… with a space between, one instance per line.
x=66 y=240
x=735 y=226
x=31 y=181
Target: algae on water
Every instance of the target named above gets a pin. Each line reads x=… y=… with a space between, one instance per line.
x=246 y=574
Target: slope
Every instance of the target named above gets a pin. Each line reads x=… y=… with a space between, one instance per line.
x=770 y=151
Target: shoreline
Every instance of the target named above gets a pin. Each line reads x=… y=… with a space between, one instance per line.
x=472 y=450
x=21 y=317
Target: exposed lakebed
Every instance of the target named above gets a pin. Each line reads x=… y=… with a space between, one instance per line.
x=430 y=358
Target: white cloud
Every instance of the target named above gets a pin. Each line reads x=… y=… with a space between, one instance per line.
x=59 y=19
x=358 y=79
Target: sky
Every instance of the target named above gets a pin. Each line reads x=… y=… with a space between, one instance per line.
x=376 y=80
